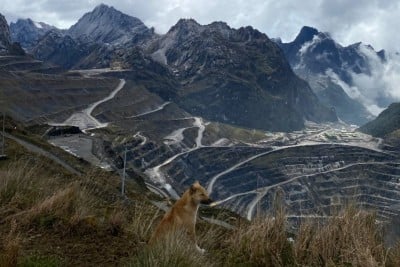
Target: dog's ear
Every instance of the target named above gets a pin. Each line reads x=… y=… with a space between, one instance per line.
x=196 y=183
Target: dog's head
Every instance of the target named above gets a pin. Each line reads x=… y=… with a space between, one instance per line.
x=199 y=194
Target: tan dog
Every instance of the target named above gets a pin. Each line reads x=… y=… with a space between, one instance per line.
x=183 y=215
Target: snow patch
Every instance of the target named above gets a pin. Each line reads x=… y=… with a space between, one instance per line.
x=38 y=25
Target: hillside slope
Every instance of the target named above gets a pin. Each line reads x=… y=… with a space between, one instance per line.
x=233 y=76
x=238 y=77
x=386 y=123
x=331 y=68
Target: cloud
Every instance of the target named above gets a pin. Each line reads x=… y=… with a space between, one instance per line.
x=383 y=85
x=377 y=90
x=369 y=21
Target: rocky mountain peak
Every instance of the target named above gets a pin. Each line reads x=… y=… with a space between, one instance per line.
x=306 y=34
x=223 y=70
x=105 y=24
x=330 y=68
x=28 y=32
x=102 y=8
x=186 y=27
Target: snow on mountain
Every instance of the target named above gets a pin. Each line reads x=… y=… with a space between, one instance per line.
x=349 y=78
x=28 y=32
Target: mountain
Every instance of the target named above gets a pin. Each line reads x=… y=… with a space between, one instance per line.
x=107 y=25
x=234 y=76
x=195 y=104
x=5 y=38
x=28 y=32
x=93 y=41
x=6 y=45
x=386 y=123
x=329 y=68
x=65 y=51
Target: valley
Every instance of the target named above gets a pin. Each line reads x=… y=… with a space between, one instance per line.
x=316 y=170
x=110 y=119
x=211 y=103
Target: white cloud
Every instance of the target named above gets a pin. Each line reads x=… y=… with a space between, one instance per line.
x=378 y=90
x=369 y=21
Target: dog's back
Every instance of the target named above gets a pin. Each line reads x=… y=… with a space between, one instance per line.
x=183 y=214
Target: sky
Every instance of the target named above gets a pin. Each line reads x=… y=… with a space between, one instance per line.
x=348 y=21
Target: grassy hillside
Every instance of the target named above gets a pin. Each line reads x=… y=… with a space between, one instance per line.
x=49 y=217
x=387 y=122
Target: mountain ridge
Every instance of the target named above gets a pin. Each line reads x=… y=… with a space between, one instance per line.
x=28 y=32
x=329 y=69
x=387 y=122
x=236 y=76
x=105 y=24
x=213 y=60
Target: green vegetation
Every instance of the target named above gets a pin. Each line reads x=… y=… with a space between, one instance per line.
x=387 y=122
x=235 y=133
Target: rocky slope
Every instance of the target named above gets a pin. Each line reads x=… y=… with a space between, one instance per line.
x=386 y=123
x=7 y=47
x=236 y=76
x=233 y=76
x=65 y=51
x=5 y=38
x=107 y=25
x=28 y=32
x=329 y=68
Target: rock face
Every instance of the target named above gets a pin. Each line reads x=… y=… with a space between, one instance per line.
x=27 y=32
x=6 y=46
x=60 y=49
x=386 y=123
x=236 y=76
x=108 y=25
x=329 y=67
x=93 y=41
x=5 y=38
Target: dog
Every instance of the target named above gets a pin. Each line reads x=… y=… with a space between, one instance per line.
x=183 y=214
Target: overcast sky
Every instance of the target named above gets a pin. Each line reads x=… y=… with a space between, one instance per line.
x=373 y=22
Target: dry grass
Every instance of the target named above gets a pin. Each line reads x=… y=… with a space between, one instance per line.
x=262 y=242
x=394 y=256
x=90 y=223
x=9 y=247
x=174 y=250
x=350 y=238
x=143 y=220
x=16 y=180
x=84 y=217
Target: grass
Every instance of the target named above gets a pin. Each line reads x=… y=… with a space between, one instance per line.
x=49 y=217
x=175 y=250
x=43 y=208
